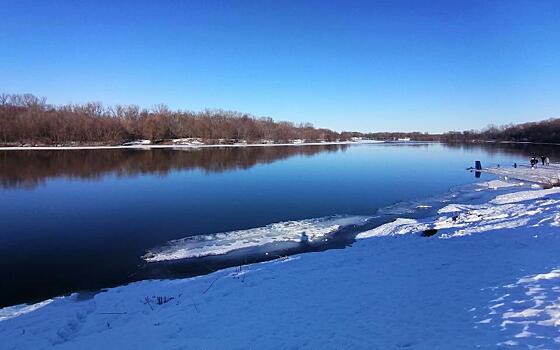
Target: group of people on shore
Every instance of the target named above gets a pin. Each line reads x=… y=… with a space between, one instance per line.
x=535 y=160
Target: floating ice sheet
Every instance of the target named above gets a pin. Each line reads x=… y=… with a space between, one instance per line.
x=311 y=230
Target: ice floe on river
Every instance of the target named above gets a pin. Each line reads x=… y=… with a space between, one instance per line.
x=465 y=219
x=309 y=230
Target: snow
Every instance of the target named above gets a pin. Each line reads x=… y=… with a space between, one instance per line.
x=136 y=143
x=506 y=211
x=497 y=184
x=18 y=310
x=554 y=274
x=397 y=227
x=529 y=311
x=490 y=278
x=180 y=145
x=225 y=242
x=188 y=141
x=546 y=175
x=524 y=196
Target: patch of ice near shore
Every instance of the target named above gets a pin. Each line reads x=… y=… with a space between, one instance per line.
x=524 y=196
x=291 y=231
x=497 y=184
x=18 y=310
x=225 y=242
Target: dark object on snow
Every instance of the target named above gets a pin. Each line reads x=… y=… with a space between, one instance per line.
x=515 y=165
x=534 y=161
x=429 y=232
x=304 y=238
x=543 y=158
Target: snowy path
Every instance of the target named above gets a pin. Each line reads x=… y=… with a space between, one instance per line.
x=489 y=279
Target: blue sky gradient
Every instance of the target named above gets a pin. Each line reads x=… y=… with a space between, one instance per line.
x=347 y=65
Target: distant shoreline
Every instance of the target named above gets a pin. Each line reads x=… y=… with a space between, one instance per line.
x=63 y=148
x=195 y=146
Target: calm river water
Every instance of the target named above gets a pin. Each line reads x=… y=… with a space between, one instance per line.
x=80 y=220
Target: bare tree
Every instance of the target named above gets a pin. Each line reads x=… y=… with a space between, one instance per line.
x=29 y=119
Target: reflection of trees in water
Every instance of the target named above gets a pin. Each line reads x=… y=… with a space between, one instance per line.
x=523 y=150
x=27 y=169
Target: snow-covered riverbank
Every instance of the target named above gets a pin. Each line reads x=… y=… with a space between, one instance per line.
x=180 y=146
x=489 y=278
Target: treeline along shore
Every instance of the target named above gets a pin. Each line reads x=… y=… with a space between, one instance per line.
x=28 y=120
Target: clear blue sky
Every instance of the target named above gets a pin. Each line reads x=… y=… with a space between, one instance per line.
x=347 y=65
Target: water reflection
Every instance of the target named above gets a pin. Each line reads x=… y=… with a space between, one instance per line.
x=512 y=149
x=28 y=169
